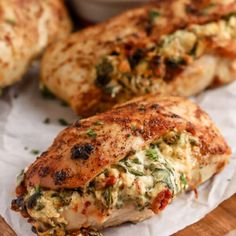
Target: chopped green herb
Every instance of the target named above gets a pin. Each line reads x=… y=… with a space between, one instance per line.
x=153 y=15
x=91 y=133
x=136 y=161
x=98 y=122
x=46 y=93
x=63 y=122
x=34 y=151
x=183 y=180
x=151 y=153
x=46 y=121
x=142 y=108
x=10 y=21
x=133 y=128
x=37 y=188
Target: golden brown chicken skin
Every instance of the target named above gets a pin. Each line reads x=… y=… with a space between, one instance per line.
x=173 y=47
x=26 y=28
x=123 y=165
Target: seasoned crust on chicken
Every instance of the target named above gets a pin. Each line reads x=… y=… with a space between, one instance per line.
x=26 y=28
x=122 y=165
x=126 y=129
x=160 y=48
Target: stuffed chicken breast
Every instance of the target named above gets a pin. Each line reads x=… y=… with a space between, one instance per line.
x=124 y=165
x=174 y=47
x=26 y=28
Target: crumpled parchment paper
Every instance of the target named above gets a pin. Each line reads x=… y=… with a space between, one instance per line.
x=23 y=131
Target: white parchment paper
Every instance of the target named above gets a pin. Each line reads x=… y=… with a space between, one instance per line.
x=22 y=129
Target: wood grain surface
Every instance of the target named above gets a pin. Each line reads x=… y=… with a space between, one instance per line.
x=219 y=222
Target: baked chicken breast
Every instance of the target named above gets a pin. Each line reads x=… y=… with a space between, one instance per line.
x=123 y=165
x=26 y=28
x=176 y=47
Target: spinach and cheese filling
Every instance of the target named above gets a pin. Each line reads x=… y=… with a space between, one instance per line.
x=144 y=69
x=143 y=182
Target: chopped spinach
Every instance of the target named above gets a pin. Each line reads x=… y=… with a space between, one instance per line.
x=103 y=70
x=163 y=176
x=151 y=153
x=120 y=167
x=136 y=161
x=32 y=201
x=107 y=195
x=135 y=172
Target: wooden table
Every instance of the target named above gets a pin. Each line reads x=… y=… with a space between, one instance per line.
x=217 y=223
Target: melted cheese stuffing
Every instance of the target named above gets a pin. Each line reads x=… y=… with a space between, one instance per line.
x=143 y=72
x=131 y=186
x=192 y=40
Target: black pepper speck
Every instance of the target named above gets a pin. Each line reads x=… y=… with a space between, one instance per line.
x=155 y=106
x=44 y=171
x=81 y=151
x=60 y=177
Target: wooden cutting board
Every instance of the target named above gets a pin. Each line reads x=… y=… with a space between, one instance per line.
x=217 y=223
